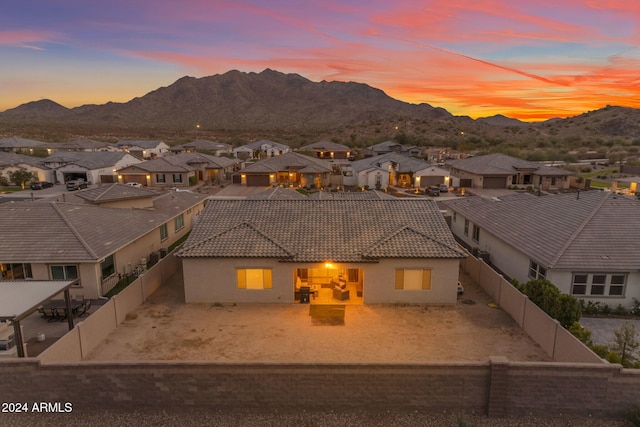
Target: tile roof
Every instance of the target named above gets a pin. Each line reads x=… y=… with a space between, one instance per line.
x=69 y=232
x=17 y=142
x=87 y=159
x=9 y=158
x=113 y=192
x=501 y=164
x=321 y=230
x=405 y=163
x=202 y=144
x=595 y=231
x=258 y=144
x=182 y=162
x=279 y=193
x=289 y=161
x=324 y=145
x=79 y=144
x=138 y=143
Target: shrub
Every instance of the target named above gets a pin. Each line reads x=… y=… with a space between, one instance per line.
x=583 y=334
x=562 y=307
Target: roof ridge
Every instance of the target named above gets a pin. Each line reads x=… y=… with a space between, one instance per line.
x=391 y=235
x=578 y=230
x=73 y=230
x=243 y=223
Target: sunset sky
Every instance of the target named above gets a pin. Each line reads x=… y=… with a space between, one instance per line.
x=526 y=59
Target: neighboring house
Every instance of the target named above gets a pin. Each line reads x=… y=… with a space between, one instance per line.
x=179 y=170
x=103 y=233
x=80 y=145
x=22 y=145
x=282 y=193
x=392 y=169
x=352 y=251
x=143 y=149
x=11 y=162
x=328 y=150
x=93 y=167
x=260 y=150
x=393 y=147
x=203 y=146
x=291 y=169
x=493 y=171
x=586 y=243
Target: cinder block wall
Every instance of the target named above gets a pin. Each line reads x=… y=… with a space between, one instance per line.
x=498 y=387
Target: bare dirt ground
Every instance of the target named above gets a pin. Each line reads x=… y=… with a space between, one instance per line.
x=165 y=328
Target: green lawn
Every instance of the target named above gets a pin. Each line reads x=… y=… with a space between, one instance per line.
x=10 y=189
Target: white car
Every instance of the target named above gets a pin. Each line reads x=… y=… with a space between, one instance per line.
x=134 y=184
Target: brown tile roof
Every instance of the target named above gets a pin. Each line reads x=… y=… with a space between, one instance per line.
x=321 y=230
x=113 y=192
x=69 y=232
x=596 y=231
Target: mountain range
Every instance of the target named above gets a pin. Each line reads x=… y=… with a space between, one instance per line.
x=271 y=102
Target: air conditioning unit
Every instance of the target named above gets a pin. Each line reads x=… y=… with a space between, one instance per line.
x=485 y=256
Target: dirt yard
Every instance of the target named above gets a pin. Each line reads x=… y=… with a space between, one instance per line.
x=165 y=328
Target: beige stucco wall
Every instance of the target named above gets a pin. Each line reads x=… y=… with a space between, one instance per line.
x=214 y=280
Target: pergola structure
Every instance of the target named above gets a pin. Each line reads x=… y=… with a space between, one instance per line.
x=20 y=298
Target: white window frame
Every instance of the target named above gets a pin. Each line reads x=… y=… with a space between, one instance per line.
x=164 y=232
x=602 y=283
x=536 y=271
x=178 y=222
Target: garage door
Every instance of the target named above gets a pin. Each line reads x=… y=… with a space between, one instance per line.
x=257 y=180
x=427 y=180
x=494 y=182
x=466 y=183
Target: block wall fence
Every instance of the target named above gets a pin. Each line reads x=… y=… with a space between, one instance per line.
x=575 y=383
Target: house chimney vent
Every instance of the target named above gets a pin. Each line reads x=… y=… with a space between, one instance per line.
x=578 y=195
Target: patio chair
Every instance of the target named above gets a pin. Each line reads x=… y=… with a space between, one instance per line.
x=60 y=314
x=47 y=313
x=84 y=308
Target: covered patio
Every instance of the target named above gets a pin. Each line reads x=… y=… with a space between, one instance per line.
x=19 y=299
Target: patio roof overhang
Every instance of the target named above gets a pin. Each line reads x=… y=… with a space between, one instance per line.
x=19 y=298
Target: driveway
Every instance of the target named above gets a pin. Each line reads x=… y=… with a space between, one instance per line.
x=602 y=329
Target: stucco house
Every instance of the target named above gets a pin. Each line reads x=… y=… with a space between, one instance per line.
x=81 y=144
x=203 y=146
x=393 y=147
x=143 y=149
x=94 y=167
x=22 y=145
x=400 y=251
x=290 y=169
x=260 y=149
x=94 y=235
x=179 y=170
x=11 y=162
x=501 y=171
x=328 y=150
x=392 y=169
x=586 y=243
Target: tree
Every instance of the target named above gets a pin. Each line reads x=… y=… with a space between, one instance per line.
x=626 y=344
x=20 y=177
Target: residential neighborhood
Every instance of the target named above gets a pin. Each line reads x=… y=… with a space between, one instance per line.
x=317 y=227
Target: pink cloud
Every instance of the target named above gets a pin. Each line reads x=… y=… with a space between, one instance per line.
x=24 y=38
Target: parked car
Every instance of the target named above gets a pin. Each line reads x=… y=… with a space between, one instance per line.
x=39 y=185
x=433 y=191
x=134 y=184
x=444 y=188
x=76 y=184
